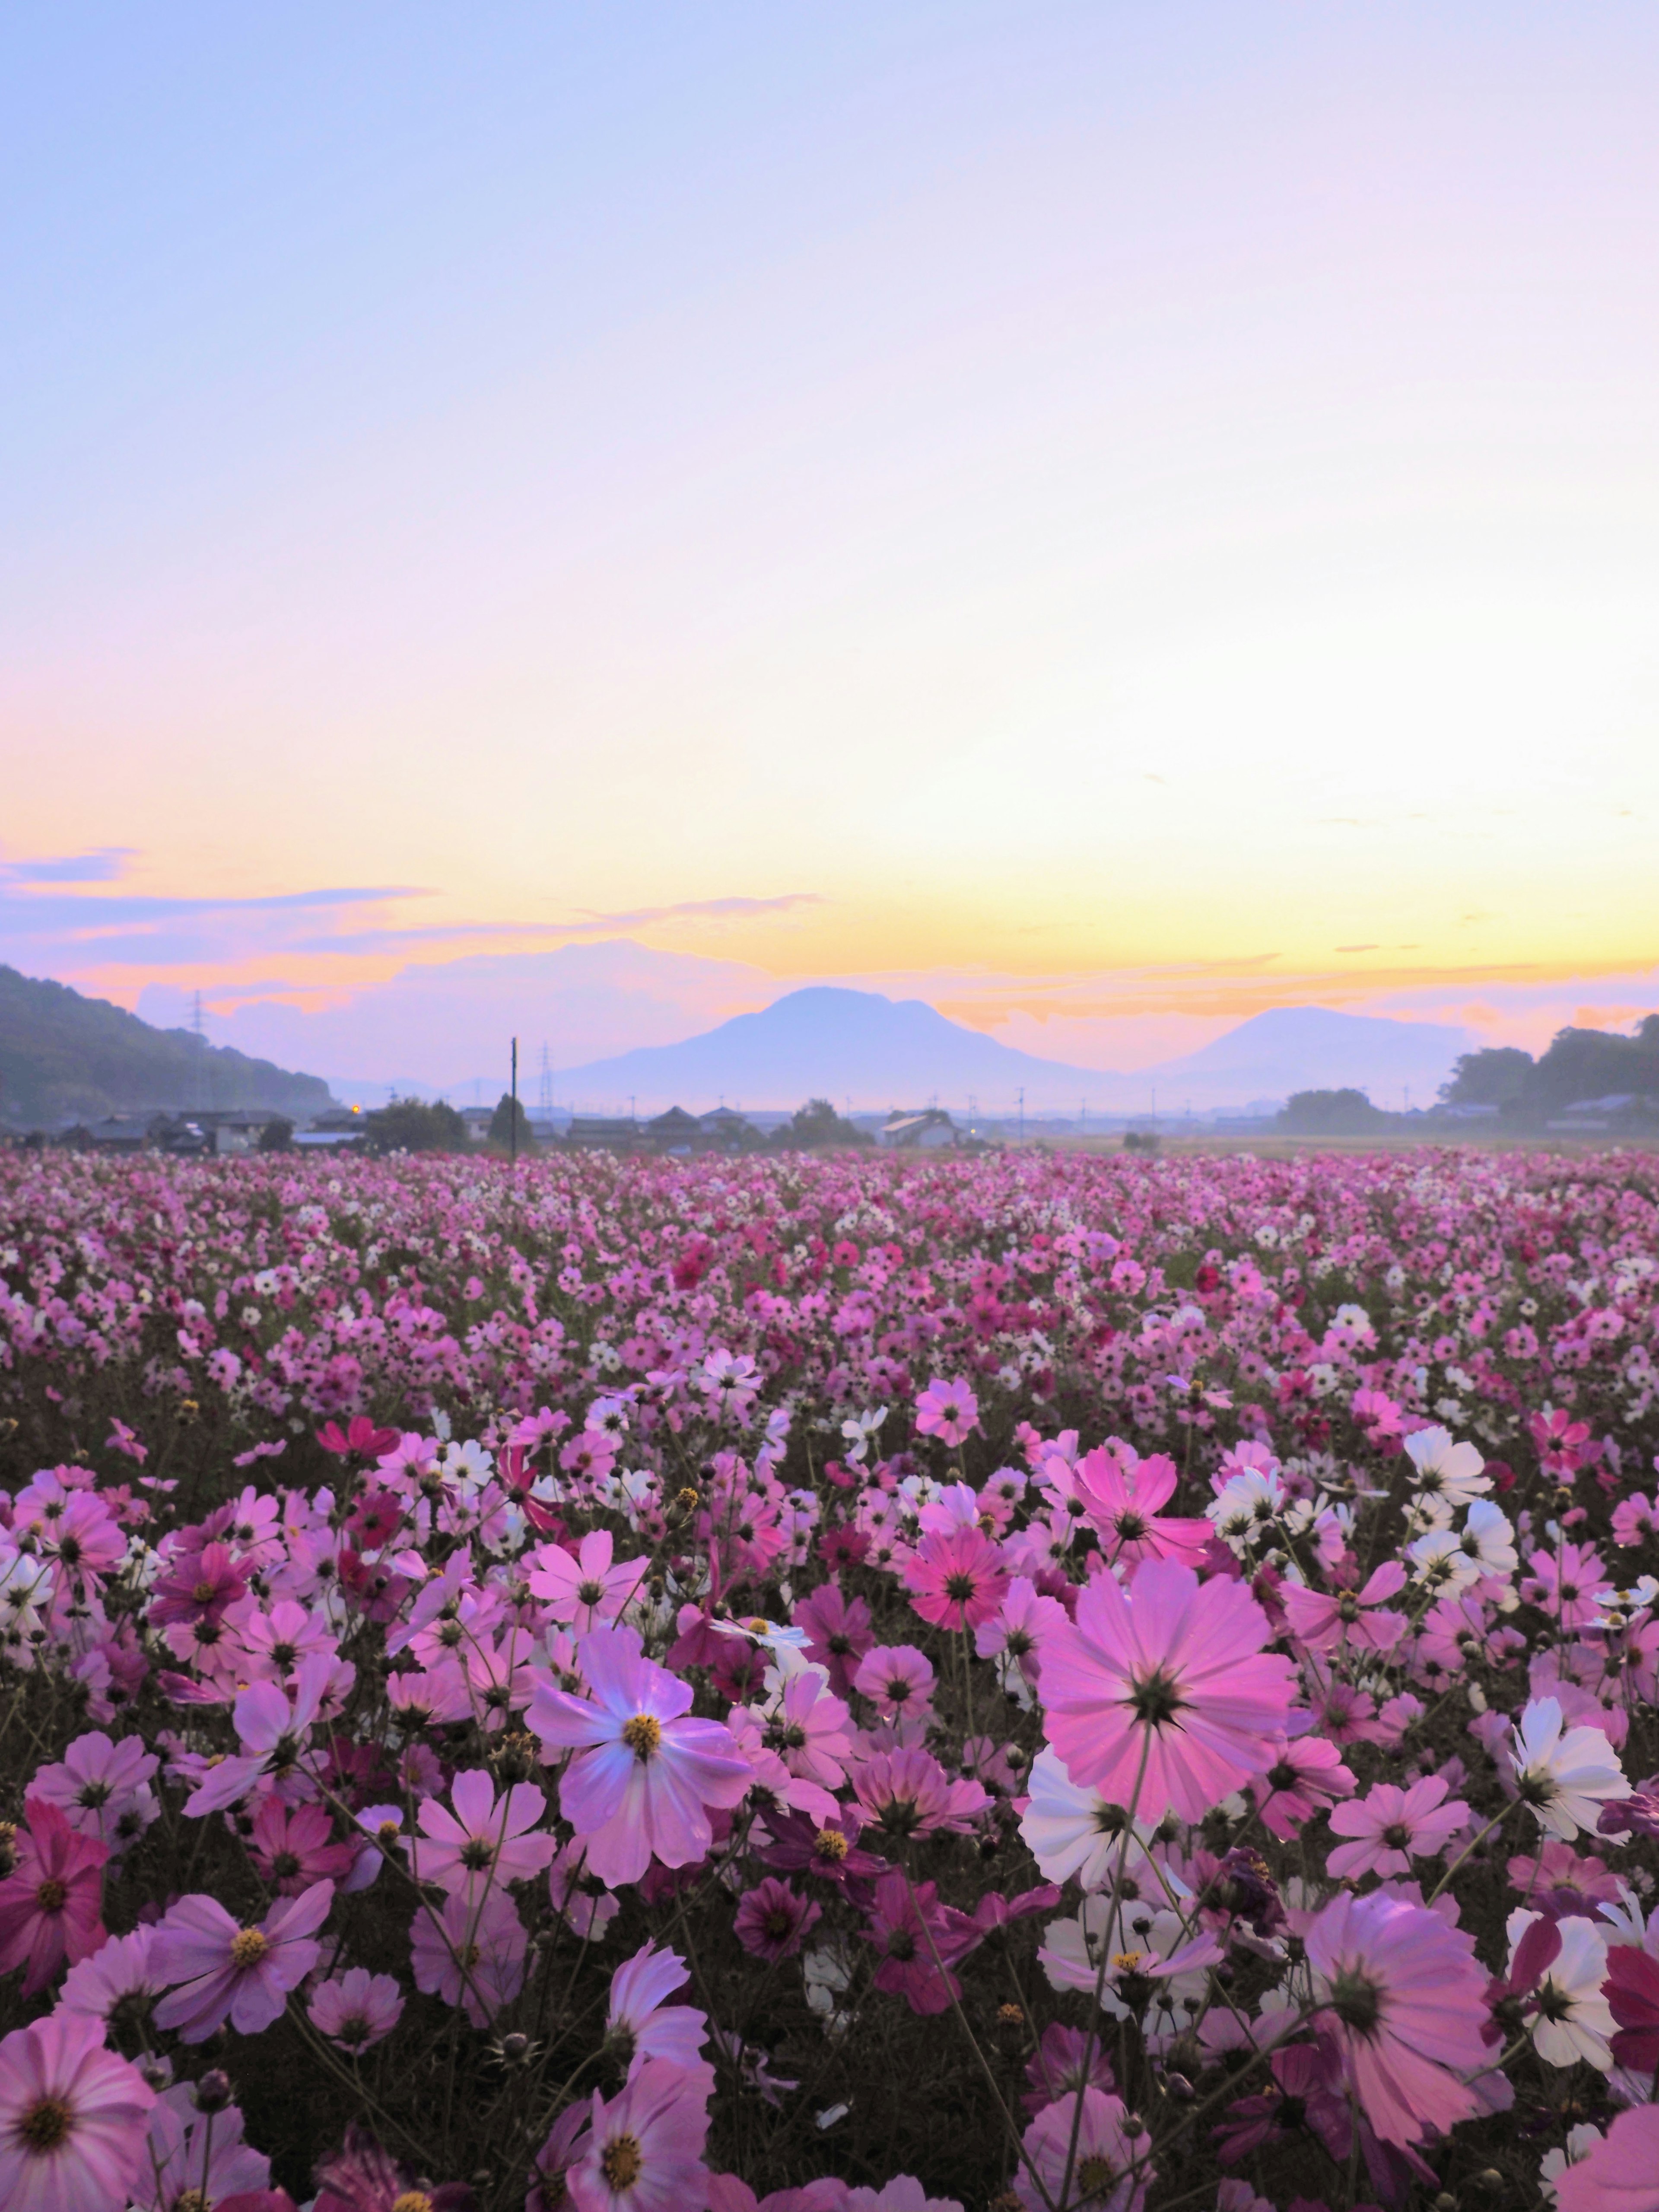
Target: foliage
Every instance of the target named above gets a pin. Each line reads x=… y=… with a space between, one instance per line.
x=509 y=1124
x=1330 y=1113
x=814 y=1127
x=409 y=1125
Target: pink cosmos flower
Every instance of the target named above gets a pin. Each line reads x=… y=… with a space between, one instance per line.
x=200 y=1586
x=99 y=1783
x=1121 y=1494
x=908 y=1793
x=274 y=1734
x=361 y=2176
x=948 y=1410
x=49 y=1906
x=956 y=1580
x=116 y=1970
x=484 y=1840
x=837 y=1632
x=645 y=2148
x=1172 y=1674
x=1319 y=1619
x=356 y=2008
x=1101 y=2164
x=1621 y=2173
x=1306 y=1775
x=239 y=1974
x=897 y=1679
x=639 y=2025
x=189 y=2162
x=72 y=2118
x=292 y=1850
x=589 y=1588
x=470 y=1953
x=646 y=1774
x=1402 y=1997
x=1392 y=1827
x=1564 y=1584
x=580 y=1899
x=807 y=1728
x=1065 y=2060
x=771 y=1920
x=1018 y=1629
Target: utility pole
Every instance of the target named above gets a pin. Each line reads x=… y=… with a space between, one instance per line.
x=513 y=1124
x=545 y=1102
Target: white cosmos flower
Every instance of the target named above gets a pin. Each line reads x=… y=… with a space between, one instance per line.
x=1581 y=2140
x=1573 y=2020
x=1070 y=1830
x=1566 y=1779
x=1445 y=1469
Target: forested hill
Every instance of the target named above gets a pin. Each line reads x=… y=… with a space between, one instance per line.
x=62 y=1055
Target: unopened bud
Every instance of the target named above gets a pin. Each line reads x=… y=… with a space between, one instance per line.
x=213 y=2091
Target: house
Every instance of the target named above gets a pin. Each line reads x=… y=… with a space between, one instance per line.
x=676 y=1131
x=725 y=1129
x=240 y=1130
x=593 y=1134
x=117 y=1133
x=922 y=1131
x=478 y=1120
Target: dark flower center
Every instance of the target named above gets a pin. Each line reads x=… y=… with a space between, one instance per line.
x=1155 y=1699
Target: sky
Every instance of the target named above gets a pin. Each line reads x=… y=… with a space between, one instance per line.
x=1107 y=519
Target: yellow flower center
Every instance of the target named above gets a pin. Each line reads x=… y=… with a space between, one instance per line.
x=830 y=1843
x=1095 y=2176
x=45 y=2124
x=1127 y=1961
x=249 y=1948
x=412 y=2200
x=621 y=2162
x=642 y=1735
x=53 y=1895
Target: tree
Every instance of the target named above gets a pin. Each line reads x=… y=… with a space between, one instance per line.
x=815 y=1125
x=1330 y=1113
x=407 y=1124
x=276 y=1136
x=502 y=1121
x=1494 y=1077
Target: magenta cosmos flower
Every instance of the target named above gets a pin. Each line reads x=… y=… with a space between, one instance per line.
x=771 y=1920
x=646 y=1774
x=1172 y=1674
x=239 y=1974
x=948 y=1410
x=645 y=2148
x=72 y=2118
x=470 y=1953
x=485 y=1840
x=1401 y=1995
x=957 y=1580
x=1306 y=1775
x=49 y=1906
x=361 y=2176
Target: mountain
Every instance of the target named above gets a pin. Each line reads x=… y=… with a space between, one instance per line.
x=62 y=1055
x=1313 y=1049
x=836 y=1044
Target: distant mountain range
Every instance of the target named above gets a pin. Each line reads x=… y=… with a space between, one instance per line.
x=878 y=1052
x=64 y=1055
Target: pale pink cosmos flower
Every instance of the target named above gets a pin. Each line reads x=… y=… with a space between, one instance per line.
x=470 y=1954
x=1103 y=2169
x=1402 y=1997
x=644 y=2151
x=1391 y=1827
x=1122 y=1493
x=1173 y=1675
x=274 y=1733
x=72 y=2118
x=580 y=1899
x=99 y=1784
x=807 y=1728
x=191 y=2161
x=118 y=1969
x=908 y=1793
x=589 y=1589
x=897 y=1678
x=948 y=1410
x=356 y=2008
x=239 y=1974
x=485 y=1840
x=646 y=1774
x=640 y=2027
x=1018 y=1629
x=1621 y=2173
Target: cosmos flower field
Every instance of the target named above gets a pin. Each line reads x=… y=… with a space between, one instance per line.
x=1031 y=1680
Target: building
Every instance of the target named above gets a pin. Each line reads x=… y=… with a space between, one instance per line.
x=676 y=1131
x=922 y=1131
x=594 y=1133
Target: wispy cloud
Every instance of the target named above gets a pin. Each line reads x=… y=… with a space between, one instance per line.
x=107 y=866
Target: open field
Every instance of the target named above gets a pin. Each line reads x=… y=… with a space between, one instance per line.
x=647 y=1683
